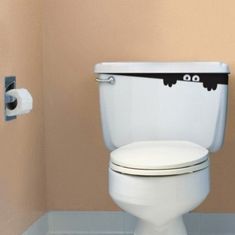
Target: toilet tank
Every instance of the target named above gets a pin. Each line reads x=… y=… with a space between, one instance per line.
x=141 y=101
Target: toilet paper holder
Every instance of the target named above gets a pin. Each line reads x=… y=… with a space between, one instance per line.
x=18 y=101
x=10 y=101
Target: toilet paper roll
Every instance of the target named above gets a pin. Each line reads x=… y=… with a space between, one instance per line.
x=24 y=102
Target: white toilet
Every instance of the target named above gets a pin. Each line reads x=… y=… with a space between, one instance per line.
x=161 y=121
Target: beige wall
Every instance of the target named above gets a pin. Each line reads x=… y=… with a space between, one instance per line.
x=22 y=175
x=79 y=34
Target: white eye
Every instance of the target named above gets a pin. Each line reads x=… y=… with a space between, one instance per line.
x=196 y=78
x=187 y=77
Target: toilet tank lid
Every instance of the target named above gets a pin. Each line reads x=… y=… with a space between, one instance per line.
x=161 y=67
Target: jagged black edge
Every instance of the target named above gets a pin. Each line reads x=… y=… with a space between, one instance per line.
x=209 y=80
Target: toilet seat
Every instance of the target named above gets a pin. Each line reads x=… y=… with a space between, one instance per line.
x=158 y=158
x=168 y=172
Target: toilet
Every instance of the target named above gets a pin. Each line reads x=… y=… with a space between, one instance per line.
x=161 y=122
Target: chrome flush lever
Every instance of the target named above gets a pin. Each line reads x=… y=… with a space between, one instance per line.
x=110 y=80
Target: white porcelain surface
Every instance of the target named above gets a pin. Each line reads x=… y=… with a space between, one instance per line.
x=138 y=109
x=159 y=202
x=161 y=67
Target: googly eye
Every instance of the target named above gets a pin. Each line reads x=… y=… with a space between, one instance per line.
x=187 y=77
x=196 y=78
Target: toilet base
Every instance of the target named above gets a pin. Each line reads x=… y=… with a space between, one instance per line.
x=174 y=227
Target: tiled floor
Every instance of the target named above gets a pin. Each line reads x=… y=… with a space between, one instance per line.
x=90 y=233
x=120 y=223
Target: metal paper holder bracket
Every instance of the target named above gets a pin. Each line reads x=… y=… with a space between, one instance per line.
x=10 y=101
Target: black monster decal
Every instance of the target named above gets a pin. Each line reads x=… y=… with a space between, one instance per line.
x=209 y=81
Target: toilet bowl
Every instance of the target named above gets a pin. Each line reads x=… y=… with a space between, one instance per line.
x=159 y=199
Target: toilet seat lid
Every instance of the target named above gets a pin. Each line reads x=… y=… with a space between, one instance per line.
x=159 y=155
